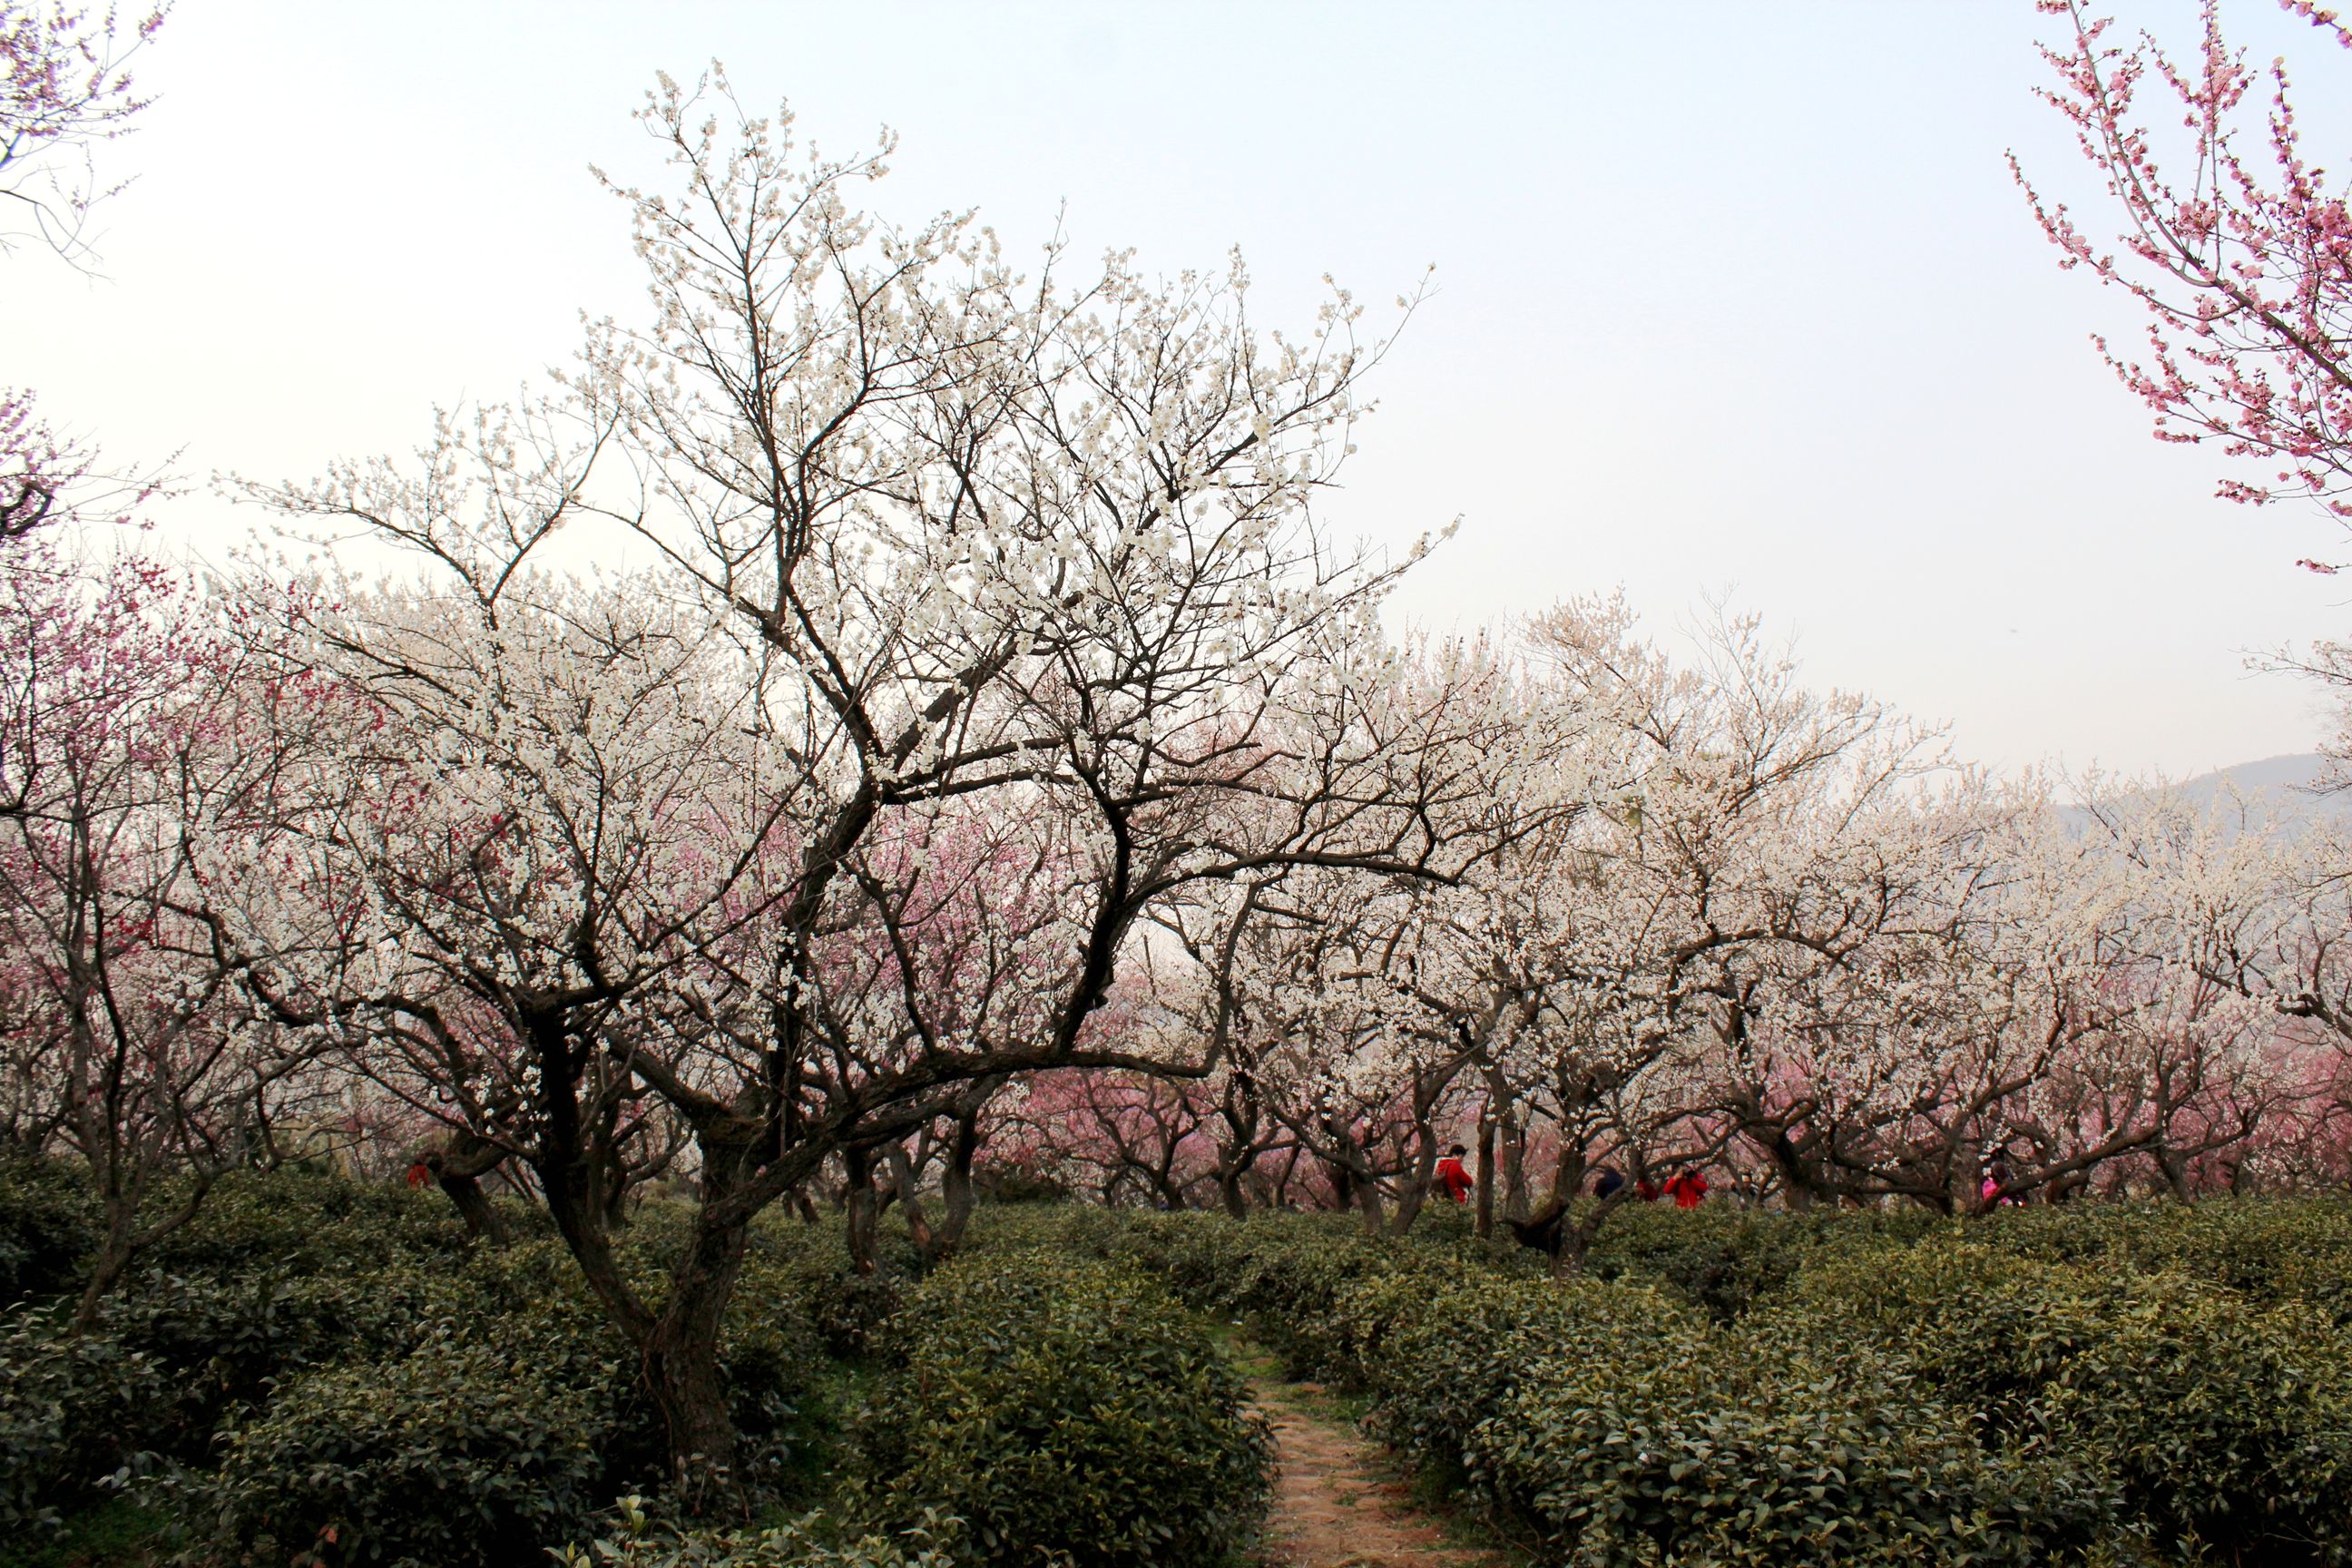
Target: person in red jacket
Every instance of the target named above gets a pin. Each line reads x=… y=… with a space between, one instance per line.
x=1688 y=1189
x=1453 y=1177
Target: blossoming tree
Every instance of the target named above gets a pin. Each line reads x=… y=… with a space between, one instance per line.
x=934 y=545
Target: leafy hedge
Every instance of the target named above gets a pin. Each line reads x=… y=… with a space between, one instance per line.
x=47 y=1219
x=635 y=1542
x=321 y=1367
x=1729 y=1260
x=329 y=1372
x=2269 y=1249
x=2224 y=1421
x=1063 y=1411
x=456 y=1454
x=72 y=1412
x=1814 y=1389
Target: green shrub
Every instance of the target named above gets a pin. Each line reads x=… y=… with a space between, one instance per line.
x=1441 y=1350
x=225 y=1340
x=2271 y=1249
x=1060 y=1408
x=286 y=1275
x=1987 y=1331
x=221 y=1341
x=47 y=1220
x=2228 y=1423
x=293 y=1221
x=801 y=1269
x=173 y=1354
x=2225 y=1423
x=72 y=1409
x=1617 y=1424
x=636 y=1542
x=1287 y=1274
x=1630 y=1447
x=1729 y=1260
x=459 y=1452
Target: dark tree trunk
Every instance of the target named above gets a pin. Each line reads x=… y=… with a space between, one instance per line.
x=1799 y=1186
x=2174 y=1167
x=681 y=1362
x=958 y=1196
x=1414 y=1190
x=863 y=1215
x=905 y=1185
x=107 y=1269
x=1229 y=1189
x=457 y=1171
x=1486 y=1222
x=474 y=1205
x=677 y=1345
x=1512 y=1132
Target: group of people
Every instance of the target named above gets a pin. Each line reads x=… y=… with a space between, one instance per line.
x=1686 y=1186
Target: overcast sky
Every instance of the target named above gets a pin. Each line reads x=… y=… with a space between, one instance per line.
x=1730 y=298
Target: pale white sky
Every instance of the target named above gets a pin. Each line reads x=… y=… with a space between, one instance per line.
x=1729 y=296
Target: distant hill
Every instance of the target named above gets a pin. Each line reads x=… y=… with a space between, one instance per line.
x=2295 y=788
x=2304 y=773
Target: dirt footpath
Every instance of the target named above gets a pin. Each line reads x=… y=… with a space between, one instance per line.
x=1334 y=1506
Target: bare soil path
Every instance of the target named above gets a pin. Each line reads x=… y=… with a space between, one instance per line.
x=1336 y=1503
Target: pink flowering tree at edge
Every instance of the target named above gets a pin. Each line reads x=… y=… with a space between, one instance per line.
x=131 y=726
x=2240 y=258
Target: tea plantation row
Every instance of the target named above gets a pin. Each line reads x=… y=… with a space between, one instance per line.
x=323 y=1373
x=2095 y=1386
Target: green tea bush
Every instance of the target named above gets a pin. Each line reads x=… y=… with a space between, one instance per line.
x=2225 y=1423
x=1728 y=1260
x=47 y=1220
x=2271 y=1249
x=2228 y=1423
x=1063 y=1410
x=1988 y=1329
x=292 y=1222
x=227 y=1339
x=1287 y=1274
x=277 y=1271
x=1616 y=1423
x=636 y=1542
x=1630 y=1447
x=71 y=1412
x=222 y=1341
x=459 y=1453
x=2149 y=1383
x=1441 y=1350
x=806 y=1271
